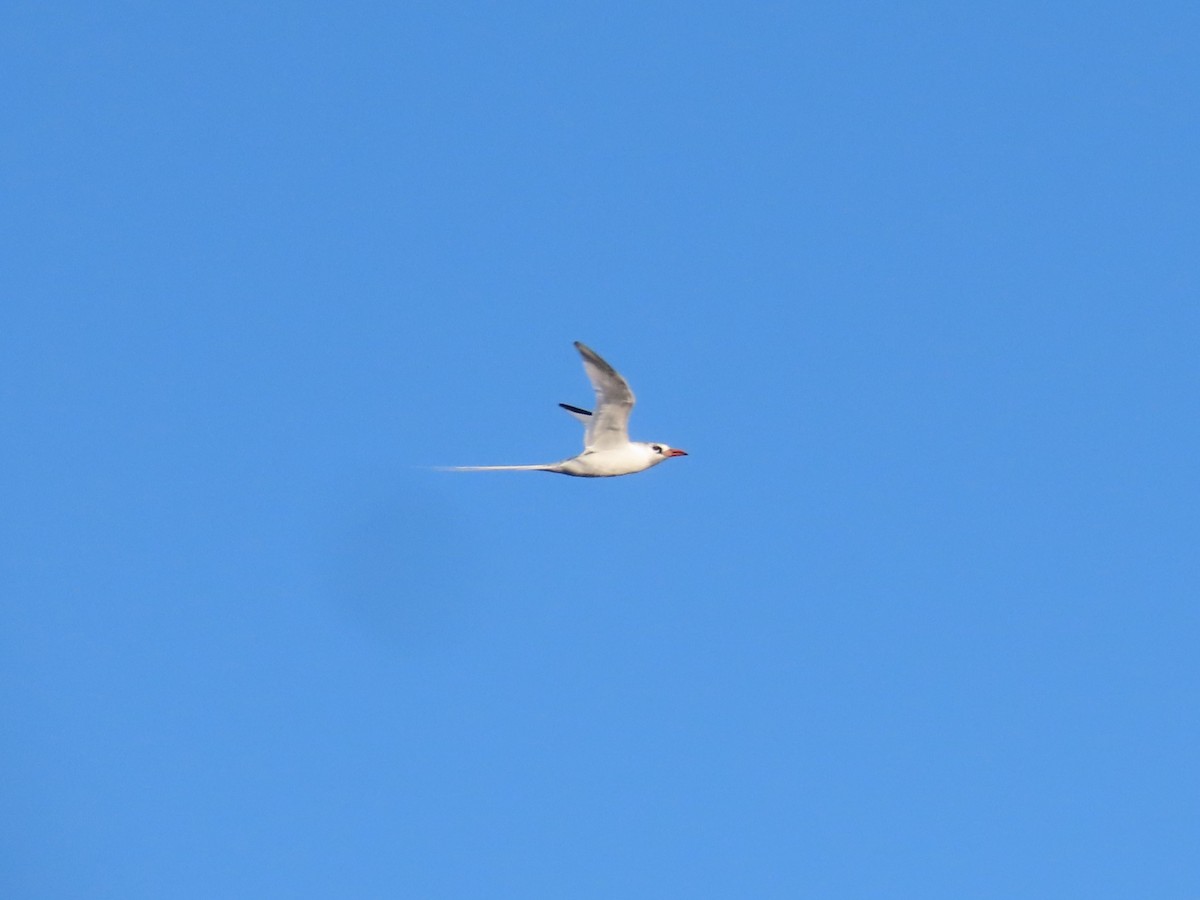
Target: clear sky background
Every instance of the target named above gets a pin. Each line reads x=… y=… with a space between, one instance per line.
x=916 y=286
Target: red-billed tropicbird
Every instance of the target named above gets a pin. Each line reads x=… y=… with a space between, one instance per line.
x=607 y=449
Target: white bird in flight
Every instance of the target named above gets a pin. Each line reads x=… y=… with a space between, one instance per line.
x=607 y=449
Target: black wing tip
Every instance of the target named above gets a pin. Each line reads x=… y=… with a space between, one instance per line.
x=592 y=356
x=575 y=409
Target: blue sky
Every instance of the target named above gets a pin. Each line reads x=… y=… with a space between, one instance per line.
x=915 y=286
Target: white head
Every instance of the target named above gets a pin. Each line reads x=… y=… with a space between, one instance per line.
x=659 y=452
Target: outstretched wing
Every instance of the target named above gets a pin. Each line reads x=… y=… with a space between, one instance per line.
x=609 y=424
x=585 y=417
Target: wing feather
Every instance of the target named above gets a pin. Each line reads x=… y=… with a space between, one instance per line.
x=609 y=426
x=583 y=416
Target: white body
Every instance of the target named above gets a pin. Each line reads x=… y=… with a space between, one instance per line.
x=607 y=450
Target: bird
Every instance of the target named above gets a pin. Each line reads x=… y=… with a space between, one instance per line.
x=607 y=449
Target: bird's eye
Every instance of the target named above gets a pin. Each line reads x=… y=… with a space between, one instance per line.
x=657 y=449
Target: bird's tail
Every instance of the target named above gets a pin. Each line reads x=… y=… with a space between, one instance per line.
x=543 y=467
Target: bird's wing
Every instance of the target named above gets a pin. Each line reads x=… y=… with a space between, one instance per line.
x=586 y=418
x=609 y=425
